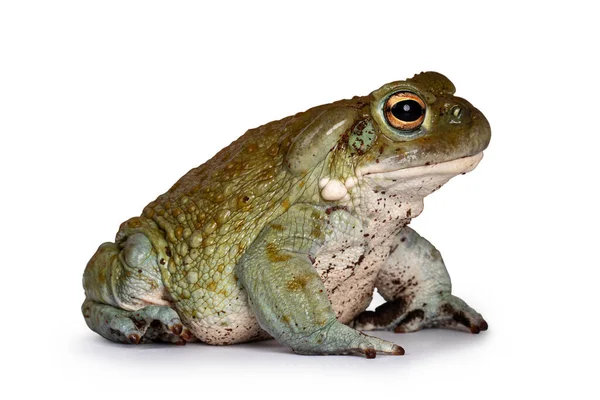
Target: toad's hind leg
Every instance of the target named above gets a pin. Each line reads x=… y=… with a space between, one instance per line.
x=125 y=298
x=288 y=296
x=417 y=287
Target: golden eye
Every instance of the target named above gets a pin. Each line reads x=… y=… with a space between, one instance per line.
x=404 y=111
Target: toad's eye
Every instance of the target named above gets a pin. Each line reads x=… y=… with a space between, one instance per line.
x=404 y=111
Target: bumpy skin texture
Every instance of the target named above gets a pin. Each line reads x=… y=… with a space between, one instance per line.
x=286 y=233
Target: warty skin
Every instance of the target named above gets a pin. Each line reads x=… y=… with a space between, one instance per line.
x=286 y=232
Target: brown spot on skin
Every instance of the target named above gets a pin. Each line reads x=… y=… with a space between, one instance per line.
x=186 y=335
x=334 y=208
x=134 y=223
x=447 y=309
x=212 y=286
x=274 y=253
x=102 y=276
x=244 y=202
x=298 y=282
x=277 y=227
x=410 y=317
x=384 y=315
x=168 y=252
x=154 y=324
x=251 y=148
x=162 y=261
x=460 y=317
x=316 y=232
x=286 y=204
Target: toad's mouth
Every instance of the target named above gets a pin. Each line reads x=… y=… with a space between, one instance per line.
x=446 y=168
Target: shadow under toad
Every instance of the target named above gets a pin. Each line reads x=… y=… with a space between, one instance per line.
x=419 y=345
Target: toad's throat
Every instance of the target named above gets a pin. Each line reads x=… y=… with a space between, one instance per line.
x=413 y=184
x=447 y=168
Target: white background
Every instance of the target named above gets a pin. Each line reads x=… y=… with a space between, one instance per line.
x=103 y=105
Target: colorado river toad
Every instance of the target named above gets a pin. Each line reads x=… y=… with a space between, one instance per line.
x=286 y=232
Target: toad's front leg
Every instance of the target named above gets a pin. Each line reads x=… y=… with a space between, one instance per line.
x=417 y=287
x=287 y=295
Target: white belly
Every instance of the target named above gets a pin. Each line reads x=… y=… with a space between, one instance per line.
x=352 y=256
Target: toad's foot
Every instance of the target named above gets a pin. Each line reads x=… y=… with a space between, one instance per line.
x=146 y=325
x=417 y=287
x=337 y=338
x=448 y=312
x=452 y=313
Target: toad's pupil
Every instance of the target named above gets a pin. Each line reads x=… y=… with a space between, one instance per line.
x=407 y=110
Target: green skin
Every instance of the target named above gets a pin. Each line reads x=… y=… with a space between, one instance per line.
x=286 y=233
